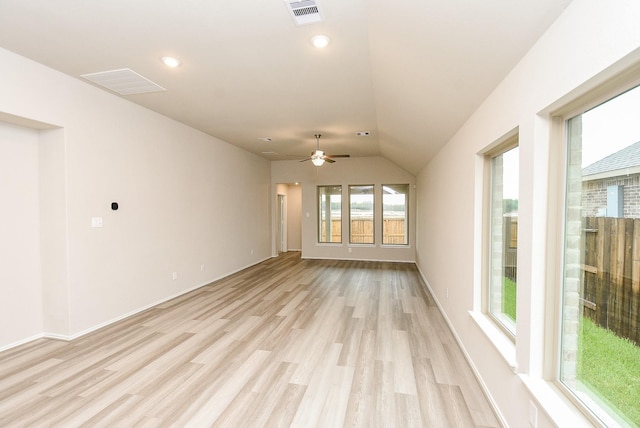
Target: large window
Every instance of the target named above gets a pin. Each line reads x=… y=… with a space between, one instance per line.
x=361 y=230
x=600 y=357
x=329 y=214
x=503 y=232
x=395 y=198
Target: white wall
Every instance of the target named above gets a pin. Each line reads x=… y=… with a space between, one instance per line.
x=372 y=170
x=591 y=41
x=294 y=217
x=20 y=285
x=186 y=200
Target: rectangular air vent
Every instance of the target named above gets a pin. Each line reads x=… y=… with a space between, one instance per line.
x=304 y=11
x=123 y=82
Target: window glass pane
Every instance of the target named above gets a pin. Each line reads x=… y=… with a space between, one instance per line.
x=361 y=214
x=504 y=238
x=600 y=357
x=395 y=198
x=329 y=213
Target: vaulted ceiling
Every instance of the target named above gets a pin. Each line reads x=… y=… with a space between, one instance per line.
x=408 y=72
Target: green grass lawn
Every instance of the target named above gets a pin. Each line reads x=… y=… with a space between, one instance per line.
x=611 y=366
x=607 y=363
x=509 y=298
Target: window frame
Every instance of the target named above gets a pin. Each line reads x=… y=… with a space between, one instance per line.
x=319 y=214
x=499 y=147
x=373 y=214
x=559 y=115
x=406 y=216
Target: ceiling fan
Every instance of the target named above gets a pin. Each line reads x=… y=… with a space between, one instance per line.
x=318 y=157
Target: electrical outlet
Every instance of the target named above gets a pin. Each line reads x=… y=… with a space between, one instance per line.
x=202 y=267
x=175 y=275
x=447 y=292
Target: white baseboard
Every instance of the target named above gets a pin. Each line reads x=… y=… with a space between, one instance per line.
x=467 y=357
x=57 y=336
x=21 y=341
x=358 y=259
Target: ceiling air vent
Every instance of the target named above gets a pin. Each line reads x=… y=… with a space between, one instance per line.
x=304 y=11
x=123 y=82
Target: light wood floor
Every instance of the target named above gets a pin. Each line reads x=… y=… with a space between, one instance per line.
x=288 y=342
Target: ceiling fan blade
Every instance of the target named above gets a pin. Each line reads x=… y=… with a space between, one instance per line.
x=318 y=156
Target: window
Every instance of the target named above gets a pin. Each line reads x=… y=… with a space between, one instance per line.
x=395 y=198
x=503 y=240
x=361 y=230
x=600 y=334
x=329 y=214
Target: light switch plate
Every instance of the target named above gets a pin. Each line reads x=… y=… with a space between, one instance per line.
x=96 y=221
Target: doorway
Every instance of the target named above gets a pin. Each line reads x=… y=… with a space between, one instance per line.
x=281 y=234
x=288 y=218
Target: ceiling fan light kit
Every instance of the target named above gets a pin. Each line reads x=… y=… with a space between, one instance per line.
x=318 y=158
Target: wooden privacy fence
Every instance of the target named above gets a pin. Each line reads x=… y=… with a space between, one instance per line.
x=510 y=250
x=362 y=231
x=611 y=274
x=393 y=231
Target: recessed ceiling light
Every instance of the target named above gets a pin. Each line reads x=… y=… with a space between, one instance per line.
x=170 y=61
x=320 y=41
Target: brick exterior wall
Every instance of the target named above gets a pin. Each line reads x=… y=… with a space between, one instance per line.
x=594 y=196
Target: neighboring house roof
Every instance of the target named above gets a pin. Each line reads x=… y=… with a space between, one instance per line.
x=624 y=159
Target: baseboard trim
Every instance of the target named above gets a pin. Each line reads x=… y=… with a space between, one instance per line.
x=21 y=342
x=474 y=369
x=358 y=260
x=74 y=336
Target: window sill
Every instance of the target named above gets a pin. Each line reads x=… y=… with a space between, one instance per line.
x=328 y=244
x=549 y=398
x=554 y=403
x=503 y=344
x=395 y=246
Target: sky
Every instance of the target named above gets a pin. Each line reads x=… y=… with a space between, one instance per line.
x=606 y=129
x=611 y=126
x=510 y=175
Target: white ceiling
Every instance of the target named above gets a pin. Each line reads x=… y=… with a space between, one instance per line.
x=410 y=72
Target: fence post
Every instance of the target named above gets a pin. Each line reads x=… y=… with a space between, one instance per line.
x=634 y=328
x=626 y=278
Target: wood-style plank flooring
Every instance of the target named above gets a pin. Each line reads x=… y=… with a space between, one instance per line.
x=288 y=342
